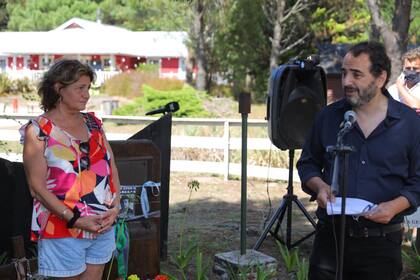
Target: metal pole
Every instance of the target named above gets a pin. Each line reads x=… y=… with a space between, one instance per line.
x=244 y=109
x=243 y=183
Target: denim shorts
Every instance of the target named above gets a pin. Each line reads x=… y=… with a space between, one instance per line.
x=66 y=257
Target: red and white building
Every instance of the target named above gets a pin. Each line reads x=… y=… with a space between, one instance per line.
x=108 y=49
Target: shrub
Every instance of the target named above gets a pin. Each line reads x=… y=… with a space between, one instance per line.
x=19 y=86
x=24 y=86
x=166 y=84
x=190 y=102
x=6 y=85
x=221 y=91
x=126 y=84
x=148 y=68
x=129 y=84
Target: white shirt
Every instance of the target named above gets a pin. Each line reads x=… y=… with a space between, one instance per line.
x=415 y=91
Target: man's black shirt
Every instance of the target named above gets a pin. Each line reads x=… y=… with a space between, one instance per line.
x=383 y=166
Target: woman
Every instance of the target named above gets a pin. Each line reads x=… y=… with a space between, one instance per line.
x=72 y=176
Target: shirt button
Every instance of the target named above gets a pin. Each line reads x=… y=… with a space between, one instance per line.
x=363 y=162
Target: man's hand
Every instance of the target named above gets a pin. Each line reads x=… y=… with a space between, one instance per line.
x=400 y=82
x=323 y=191
x=324 y=196
x=385 y=211
x=381 y=214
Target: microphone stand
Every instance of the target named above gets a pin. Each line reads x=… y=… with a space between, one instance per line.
x=341 y=153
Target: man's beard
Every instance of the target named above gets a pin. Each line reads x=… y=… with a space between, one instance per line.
x=362 y=97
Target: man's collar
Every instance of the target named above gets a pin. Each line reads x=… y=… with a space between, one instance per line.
x=393 y=106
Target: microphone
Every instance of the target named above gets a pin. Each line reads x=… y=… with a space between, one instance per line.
x=314 y=59
x=309 y=63
x=168 y=108
x=350 y=118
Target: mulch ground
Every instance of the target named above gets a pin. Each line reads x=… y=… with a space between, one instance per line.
x=213 y=217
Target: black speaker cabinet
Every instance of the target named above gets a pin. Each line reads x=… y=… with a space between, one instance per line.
x=295 y=96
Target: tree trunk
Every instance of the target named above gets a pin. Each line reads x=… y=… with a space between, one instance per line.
x=401 y=21
x=277 y=34
x=395 y=39
x=189 y=67
x=199 y=29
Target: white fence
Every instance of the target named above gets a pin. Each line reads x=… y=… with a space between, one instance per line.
x=224 y=142
x=101 y=75
x=36 y=75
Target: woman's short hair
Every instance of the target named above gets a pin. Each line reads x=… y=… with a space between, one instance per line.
x=64 y=72
x=412 y=55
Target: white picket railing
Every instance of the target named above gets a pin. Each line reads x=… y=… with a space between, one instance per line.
x=224 y=142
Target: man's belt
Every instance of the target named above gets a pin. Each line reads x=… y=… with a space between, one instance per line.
x=353 y=231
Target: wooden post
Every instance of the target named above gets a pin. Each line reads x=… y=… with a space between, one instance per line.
x=226 y=160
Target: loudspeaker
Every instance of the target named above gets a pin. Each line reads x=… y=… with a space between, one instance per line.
x=296 y=94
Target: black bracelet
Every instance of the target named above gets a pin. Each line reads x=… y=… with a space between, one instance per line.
x=76 y=215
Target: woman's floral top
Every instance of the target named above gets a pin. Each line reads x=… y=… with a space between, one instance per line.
x=88 y=186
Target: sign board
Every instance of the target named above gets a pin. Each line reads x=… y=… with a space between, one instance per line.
x=413 y=220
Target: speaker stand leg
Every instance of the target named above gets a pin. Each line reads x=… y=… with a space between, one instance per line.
x=286 y=205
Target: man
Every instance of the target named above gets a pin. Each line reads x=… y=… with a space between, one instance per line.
x=383 y=169
x=407 y=87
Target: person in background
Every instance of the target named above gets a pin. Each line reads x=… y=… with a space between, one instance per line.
x=407 y=87
x=384 y=169
x=407 y=90
x=72 y=176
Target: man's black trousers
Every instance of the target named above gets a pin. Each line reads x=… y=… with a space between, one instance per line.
x=372 y=257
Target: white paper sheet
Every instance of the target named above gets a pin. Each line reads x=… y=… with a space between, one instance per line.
x=354 y=206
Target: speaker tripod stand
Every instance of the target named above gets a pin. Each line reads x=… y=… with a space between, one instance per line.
x=286 y=207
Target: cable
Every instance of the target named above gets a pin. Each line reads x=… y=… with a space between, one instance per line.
x=267 y=188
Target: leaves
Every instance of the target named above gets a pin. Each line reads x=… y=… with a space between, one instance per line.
x=4 y=258
x=412 y=260
x=44 y=15
x=336 y=21
x=193 y=185
x=290 y=258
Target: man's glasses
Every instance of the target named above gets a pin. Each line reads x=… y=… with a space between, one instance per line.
x=84 y=159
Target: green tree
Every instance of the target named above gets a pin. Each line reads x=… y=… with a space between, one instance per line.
x=152 y=15
x=340 y=21
x=242 y=46
x=278 y=13
x=394 y=33
x=43 y=15
x=256 y=35
x=4 y=16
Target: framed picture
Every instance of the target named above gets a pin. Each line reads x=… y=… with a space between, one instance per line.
x=129 y=197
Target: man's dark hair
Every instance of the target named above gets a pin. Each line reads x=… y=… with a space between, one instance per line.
x=377 y=55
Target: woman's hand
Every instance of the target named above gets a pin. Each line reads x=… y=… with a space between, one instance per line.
x=108 y=219
x=92 y=224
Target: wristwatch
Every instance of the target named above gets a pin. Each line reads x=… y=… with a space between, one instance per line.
x=76 y=215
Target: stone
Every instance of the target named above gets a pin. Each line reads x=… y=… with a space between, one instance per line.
x=228 y=263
